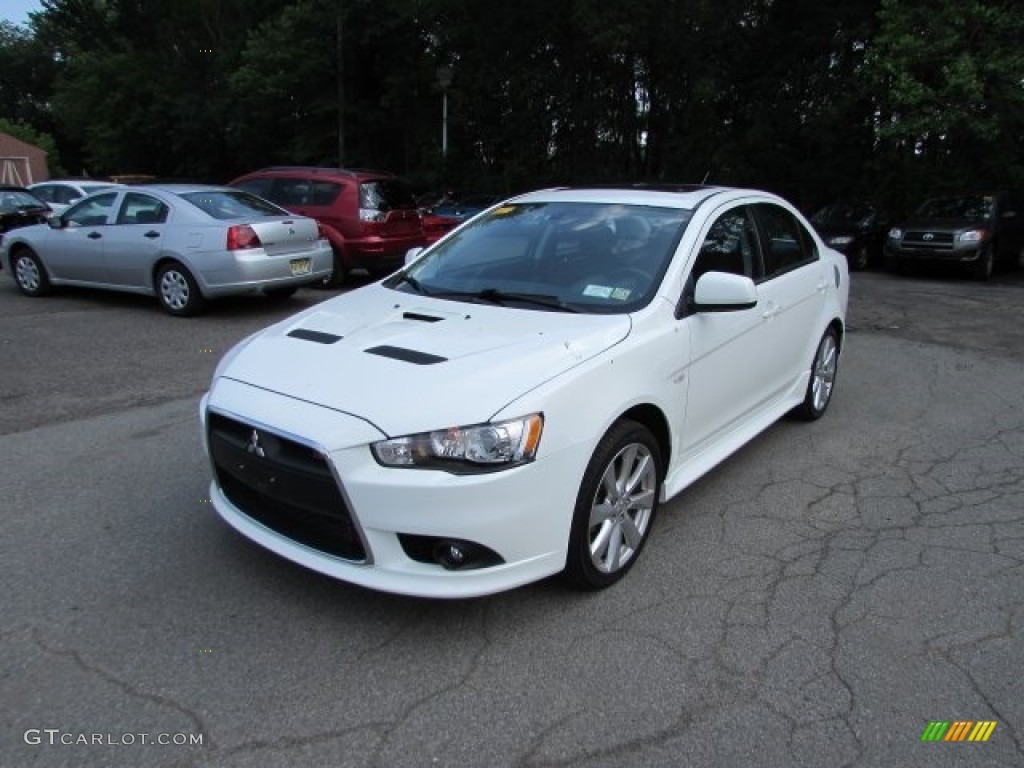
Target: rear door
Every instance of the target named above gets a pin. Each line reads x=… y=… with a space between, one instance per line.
x=792 y=292
x=135 y=241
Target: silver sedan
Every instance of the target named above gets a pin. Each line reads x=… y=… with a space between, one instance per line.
x=182 y=243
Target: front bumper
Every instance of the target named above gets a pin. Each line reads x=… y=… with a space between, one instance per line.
x=903 y=254
x=521 y=514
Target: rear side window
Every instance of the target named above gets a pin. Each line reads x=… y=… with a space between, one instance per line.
x=232 y=204
x=260 y=187
x=290 y=191
x=785 y=244
x=142 y=209
x=385 y=195
x=325 y=192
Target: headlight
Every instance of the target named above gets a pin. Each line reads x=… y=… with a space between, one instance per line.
x=895 y=233
x=972 y=236
x=461 y=450
x=840 y=240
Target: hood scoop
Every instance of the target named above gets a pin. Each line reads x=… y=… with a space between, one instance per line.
x=318 y=336
x=421 y=317
x=406 y=355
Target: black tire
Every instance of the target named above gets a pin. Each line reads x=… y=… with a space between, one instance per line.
x=823 y=378
x=177 y=291
x=983 y=268
x=339 y=275
x=29 y=273
x=280 y=294
x=609 y=527
x=860 y=259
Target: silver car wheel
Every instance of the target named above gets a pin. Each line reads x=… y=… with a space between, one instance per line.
x=824 y=374
x=27 y=274
x=622 y=508
x=174 y=289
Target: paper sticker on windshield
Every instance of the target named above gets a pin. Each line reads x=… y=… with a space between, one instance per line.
x=620 y=294
x=598 y=291
x=504 y=210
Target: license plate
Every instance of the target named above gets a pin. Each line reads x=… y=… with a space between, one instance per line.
x=299 y=267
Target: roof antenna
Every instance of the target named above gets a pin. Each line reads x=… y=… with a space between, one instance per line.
x=705 y=179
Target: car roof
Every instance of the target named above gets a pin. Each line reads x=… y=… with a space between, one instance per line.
x=180 y=188
x=317 y=170
x=687 y=196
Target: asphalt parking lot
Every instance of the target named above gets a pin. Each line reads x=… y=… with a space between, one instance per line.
x=817 y=600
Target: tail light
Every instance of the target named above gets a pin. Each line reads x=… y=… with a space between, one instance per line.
x=371 y=214
x=241 y=236
x=320 y=233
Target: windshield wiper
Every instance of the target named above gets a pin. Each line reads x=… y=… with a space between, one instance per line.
x=494 y=296
x=416 y=286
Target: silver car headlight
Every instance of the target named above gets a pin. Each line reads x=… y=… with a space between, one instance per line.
x=972 y=236
x=895 y=233
x=465 y=450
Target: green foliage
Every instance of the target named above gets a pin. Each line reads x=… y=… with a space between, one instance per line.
x=874 y=97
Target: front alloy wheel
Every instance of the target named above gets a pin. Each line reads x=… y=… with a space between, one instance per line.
x=615 y=507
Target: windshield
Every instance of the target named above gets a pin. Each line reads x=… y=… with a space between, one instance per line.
x=843 y=214
x=17 y=200
x=960 y=207
x=578 y=257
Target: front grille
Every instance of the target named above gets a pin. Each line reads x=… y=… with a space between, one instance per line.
x=924 y=239
x=289 y=488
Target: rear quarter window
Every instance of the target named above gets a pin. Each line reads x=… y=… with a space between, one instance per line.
x=385 y=195
x=225 y=204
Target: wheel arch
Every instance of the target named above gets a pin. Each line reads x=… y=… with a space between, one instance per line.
x=654 y=419
x=163 y=261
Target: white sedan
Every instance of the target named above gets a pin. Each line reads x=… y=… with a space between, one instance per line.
x=521 y=397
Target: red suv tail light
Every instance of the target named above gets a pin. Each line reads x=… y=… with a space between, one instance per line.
x=241 y=236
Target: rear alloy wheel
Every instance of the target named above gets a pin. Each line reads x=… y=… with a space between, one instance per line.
x=339 y=275
x=823 y=378
x=29 y=273
x=178 y=291
x=861 y=258
x=615 y=507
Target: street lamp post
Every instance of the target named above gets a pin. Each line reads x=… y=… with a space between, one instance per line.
x=444 y=77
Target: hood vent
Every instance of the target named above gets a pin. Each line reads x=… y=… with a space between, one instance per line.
x=406 y=355
x=318 y=336
x=421 y=318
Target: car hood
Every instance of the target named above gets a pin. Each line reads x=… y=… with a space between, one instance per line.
x=945 y=224
x=411 y=363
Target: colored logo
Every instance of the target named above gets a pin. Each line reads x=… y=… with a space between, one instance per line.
x=958 y=730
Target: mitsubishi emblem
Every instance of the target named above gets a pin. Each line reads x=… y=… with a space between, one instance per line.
x=254 y=445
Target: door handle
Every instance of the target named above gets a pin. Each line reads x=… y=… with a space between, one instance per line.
x=151 y=234
x=771 y=312
x=94 y=235
x=822 y=286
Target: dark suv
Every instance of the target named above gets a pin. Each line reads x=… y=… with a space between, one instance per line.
x=369 y=217
x=979 y=231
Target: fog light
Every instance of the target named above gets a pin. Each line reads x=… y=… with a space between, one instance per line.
x=451 y=554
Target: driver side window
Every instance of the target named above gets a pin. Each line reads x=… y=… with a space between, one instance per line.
x=93 y=212
x=730 y=246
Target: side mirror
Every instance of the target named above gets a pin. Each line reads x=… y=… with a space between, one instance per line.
x=724 y=292
x=55 y=221
x=412 y=254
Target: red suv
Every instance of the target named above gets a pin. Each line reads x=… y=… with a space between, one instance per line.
x=369 y=217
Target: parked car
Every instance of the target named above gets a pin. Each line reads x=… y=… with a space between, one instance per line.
x=20 y=208
x=856 y=229
x=59 y=194
x=182 y=243
x=979 y=231
x=369 y=217
x=465 y=207
x=435 y=226
x=520 y=398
